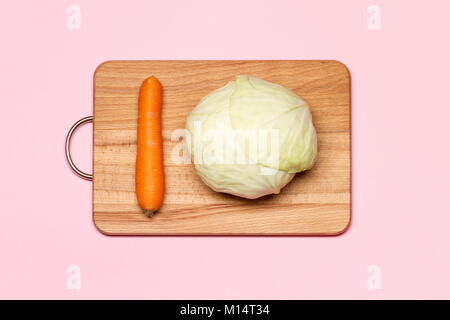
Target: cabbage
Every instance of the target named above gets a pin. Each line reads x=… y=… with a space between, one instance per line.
x=249 y=137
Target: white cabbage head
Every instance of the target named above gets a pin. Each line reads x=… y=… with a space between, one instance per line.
x=250 y=137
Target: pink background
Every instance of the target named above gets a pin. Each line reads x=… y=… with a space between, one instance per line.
x=400 y=110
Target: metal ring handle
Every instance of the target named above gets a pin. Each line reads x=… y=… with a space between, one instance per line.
x=69 y=158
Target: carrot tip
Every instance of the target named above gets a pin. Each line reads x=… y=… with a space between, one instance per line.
x=149 y=213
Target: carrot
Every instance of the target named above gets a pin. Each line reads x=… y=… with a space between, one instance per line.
x=149 y=158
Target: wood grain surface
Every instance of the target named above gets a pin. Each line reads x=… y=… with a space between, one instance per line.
x=316 y=202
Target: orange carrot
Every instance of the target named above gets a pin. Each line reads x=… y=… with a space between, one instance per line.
x=149 y=158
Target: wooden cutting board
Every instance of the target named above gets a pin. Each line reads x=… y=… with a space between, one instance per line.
x=316 y=202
